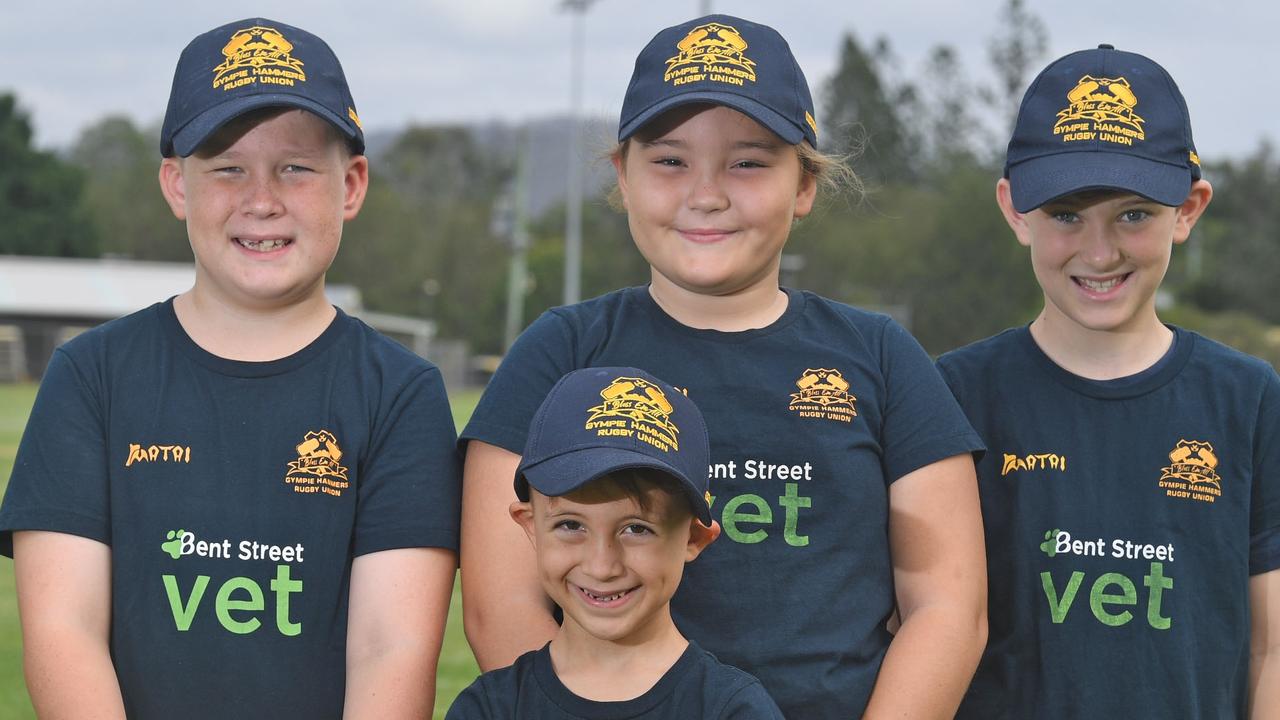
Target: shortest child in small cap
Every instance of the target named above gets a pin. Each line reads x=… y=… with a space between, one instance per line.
x=613 y=494
x=1132 y=514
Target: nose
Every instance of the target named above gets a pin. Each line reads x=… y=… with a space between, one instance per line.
x=262 y=197
x=1101 y=247
x=707 y=193
x=603 y=558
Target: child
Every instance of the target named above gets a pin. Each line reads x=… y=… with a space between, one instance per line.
x=240 y=502
x=1130 y=498
x=613 y=496
x=843 y=466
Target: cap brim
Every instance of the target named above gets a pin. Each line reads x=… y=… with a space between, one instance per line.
x=778 y=124
x=194 y=133
x=1039 y=180
x=566 y=472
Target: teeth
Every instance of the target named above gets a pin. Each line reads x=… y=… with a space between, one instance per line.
x=604 y=598
x=1100 y=286
x=262 y=245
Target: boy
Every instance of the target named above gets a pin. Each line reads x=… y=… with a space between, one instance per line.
x=613 y=496
x=240 y=502
x=1130 y=499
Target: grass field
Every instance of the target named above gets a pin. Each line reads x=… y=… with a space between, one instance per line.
x=457 y=667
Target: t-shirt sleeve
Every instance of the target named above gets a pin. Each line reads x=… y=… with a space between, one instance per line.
x=1264 y=517
x=751 y=702
x=410 y=480
x=471 y=704
x=922 y=422
x=538 y=358
x=60 y=475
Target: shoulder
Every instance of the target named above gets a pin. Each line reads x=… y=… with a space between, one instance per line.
x=138 y=325
x=729 y=689
x=370 y=344
x=494 y=694
x=822 y=309
x=980 y=355
x=1221 y=359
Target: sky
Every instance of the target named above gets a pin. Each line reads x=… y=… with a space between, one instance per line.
x=72 y=62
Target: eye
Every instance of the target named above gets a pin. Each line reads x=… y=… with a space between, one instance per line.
x=227 y=170
x=568 y=525
x=637 y=529
x=1134 y=215
x=1066 y=217
x=668 y=162
x=750 y=164
x=297 y=169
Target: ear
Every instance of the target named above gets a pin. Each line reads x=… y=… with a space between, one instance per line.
x=173 y=187
x=805 y=194
x=355 y=185
x=522 y=513
x=1017 y=221
x=700 y=536
x=620 y=168
x=1191 y=209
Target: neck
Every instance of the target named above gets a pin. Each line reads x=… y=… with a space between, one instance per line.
x=1101 y=354
x=753 y=307
x=235 y=331
x=614 y=670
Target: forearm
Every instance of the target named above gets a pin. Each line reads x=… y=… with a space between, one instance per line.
x=501 y=628
x=1264 y=685
x=70 y=676
x=396 y=682
x=929 y=663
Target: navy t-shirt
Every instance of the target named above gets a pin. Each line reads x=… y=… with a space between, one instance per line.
x=234 y=496
x=697 y=687
x=1123 y=521
x=810 y=419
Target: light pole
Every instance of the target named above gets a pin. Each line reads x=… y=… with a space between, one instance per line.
x=573 y=204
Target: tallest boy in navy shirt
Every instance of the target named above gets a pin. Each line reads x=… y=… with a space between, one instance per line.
x=241 y=502
x=1131 y=492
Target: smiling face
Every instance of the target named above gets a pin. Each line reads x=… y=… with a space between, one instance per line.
x=264 y=200
x=611 y=556
x=710 y=196
x=1100 y=256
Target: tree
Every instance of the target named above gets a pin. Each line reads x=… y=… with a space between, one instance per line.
x=861 y=115
x=39 y=195
x=122 y=196
x=1015 y=54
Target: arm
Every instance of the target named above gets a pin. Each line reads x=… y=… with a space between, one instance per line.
x=64 y=602
x=505 y=612
x=1264 y=646
x=939 y=570
x=395 y=623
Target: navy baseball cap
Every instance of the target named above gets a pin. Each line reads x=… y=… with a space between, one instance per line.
x=1102 y=118
x=251 y=64
x=721 y=60
x=600 y=420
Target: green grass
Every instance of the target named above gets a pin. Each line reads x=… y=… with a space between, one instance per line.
x=457 y=666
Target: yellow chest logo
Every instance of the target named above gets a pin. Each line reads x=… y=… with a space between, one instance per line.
x=1192 y=472
x=714 y=52
x=824 y=393
x=257 y=55
x=318 y=468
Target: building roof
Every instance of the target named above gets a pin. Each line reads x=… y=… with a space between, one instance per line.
x=104 y=288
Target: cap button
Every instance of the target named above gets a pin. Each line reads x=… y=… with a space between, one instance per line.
x=1106 y=46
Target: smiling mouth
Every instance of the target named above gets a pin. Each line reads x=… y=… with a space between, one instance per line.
x=262 y=245
x=1101 y=286
x=607 y=600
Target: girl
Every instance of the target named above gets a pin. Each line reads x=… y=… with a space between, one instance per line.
x=841 y=472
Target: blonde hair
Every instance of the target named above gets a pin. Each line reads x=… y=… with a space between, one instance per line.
x=831 y=172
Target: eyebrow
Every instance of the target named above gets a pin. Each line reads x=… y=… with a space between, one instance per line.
x=766 y=145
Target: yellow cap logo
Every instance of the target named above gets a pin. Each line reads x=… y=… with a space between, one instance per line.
x=635 y=407
x=1100 y=109
x=257 y=55
x=711 y=52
